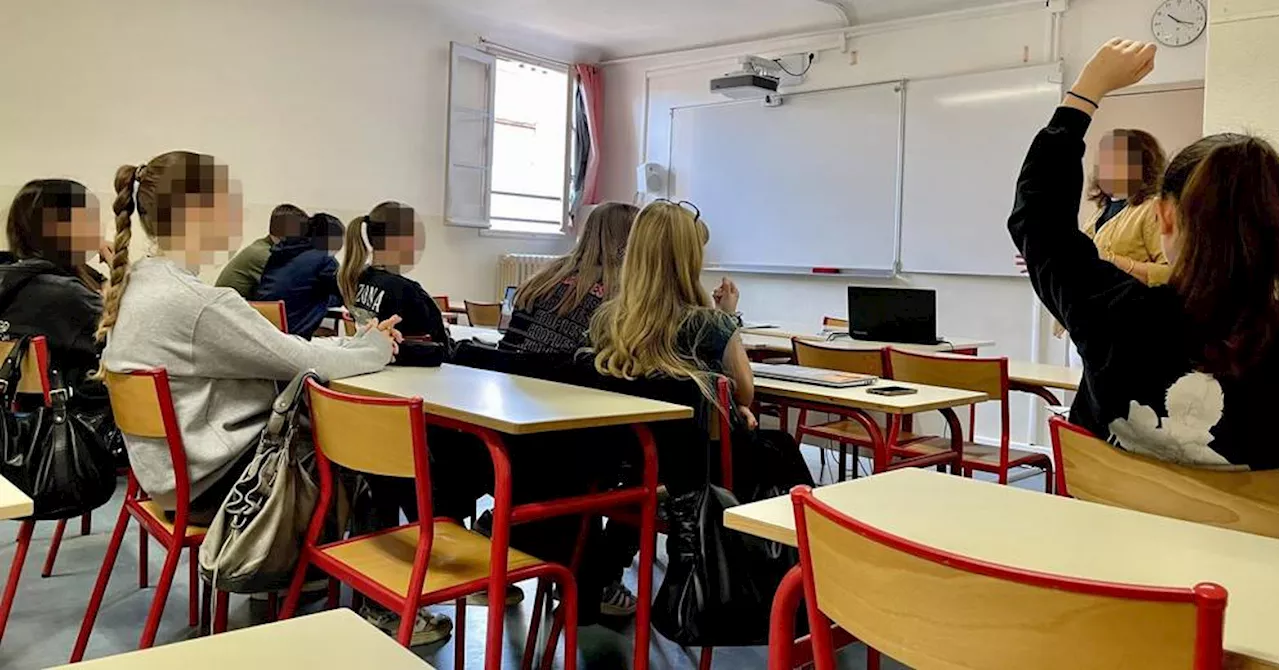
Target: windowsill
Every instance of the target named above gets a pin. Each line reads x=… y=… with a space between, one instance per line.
x=521 y=234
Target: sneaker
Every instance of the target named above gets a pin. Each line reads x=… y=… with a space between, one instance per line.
x=515 y=596
x=428 y=628
x=617 y=601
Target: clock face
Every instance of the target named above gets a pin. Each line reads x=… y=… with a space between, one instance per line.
x=1178 y=23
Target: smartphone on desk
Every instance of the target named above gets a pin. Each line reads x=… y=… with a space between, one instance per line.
x=891 y=390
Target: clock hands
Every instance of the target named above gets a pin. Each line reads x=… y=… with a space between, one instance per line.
x=1178 y=20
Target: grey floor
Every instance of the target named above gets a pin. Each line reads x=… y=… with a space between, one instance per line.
x=47 y=612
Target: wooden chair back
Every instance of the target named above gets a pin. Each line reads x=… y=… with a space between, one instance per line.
x=442 y=301
x=860 y=361
x=274 y=311
x=971 y=373
x=835 y=323
x=929 y=608
x=381 y=436
x=35 y=365
x=1090 y=469
x=484 y=314
x=142 y=405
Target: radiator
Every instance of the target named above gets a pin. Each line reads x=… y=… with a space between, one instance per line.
x=515 y=269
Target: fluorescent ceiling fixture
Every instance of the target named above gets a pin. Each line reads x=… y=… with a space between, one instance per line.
x=997 y=95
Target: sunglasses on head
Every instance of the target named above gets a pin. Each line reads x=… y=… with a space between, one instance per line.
x=685 y=205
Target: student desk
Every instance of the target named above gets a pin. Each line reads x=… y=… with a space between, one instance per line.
x=490 y=404
x=332 y=640
x=1038 y=378
x=14 y=504
x=857 y=401
x=1053 y=534
x=478 y=333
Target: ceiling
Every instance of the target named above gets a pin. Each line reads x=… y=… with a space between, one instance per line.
x=619 y=28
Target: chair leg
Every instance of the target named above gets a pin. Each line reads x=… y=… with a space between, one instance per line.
x=535 y=622
x=704 y=659
x=193 y=576
x=844 y=457
x=54 y=543
x=1048 y=478
x=460 y=633
x=273 y=606
x=142 y=557
x=167 y=572
x=873 y=659
x=86 y=523
x=335 y=590
x=220 y=612
x=569 y=588
x=408 y=617
x=206 y=607
x=15 y=571
x=553 y=635
x=100 y=587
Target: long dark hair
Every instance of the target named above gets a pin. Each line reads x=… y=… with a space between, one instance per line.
x=1153 y=160
x=1225 y=189
x=41 y=202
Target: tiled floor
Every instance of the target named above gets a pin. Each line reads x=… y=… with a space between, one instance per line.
x=47 y=612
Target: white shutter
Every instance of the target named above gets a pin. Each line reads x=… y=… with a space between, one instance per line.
x=469 y=151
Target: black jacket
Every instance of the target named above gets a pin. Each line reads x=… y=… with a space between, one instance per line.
x=305 y=278
x=45 y=300
x=1142 y=387
x=381 y=294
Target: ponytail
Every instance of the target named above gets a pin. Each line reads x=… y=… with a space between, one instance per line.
x=1226 y=270
x=123 y=207
x=355 y=258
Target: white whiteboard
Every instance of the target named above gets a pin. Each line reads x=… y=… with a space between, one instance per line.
x=965 y=140
x=813 y=183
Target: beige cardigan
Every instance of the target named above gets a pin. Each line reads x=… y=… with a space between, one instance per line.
x=1134 y=234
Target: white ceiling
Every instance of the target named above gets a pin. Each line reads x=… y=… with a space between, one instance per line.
x=628 y=27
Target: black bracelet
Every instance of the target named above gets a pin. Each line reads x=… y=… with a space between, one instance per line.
x=1081 y=97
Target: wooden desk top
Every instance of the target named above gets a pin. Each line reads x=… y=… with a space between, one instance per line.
x=14 y=503
x=508 y=403
x=925 y=399
x=331 y=640
x=1035 y=531
x=1044 y=374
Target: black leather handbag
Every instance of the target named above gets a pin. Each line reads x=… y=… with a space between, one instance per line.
x=52 y=454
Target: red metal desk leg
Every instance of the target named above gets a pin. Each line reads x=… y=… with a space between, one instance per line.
x=782 y=619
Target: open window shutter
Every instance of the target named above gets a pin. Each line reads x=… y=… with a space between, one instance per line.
x=469 y=152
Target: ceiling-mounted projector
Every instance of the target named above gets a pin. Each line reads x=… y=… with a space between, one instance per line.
x=756 y=78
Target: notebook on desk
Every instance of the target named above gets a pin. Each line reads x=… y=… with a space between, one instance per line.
x=816 y=376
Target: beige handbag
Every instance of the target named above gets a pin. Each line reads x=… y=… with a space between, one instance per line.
x=254 y=542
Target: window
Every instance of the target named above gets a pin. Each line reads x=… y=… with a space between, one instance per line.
x=508 y=133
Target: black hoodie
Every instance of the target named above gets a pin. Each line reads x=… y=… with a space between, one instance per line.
x=39 y=298
x=305 y=278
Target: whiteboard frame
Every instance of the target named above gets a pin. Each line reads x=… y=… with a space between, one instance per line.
x=872 y=273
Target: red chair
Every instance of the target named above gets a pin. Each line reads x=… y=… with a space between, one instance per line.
x=422 y=563
x=929 y=608
x=971 y=373
x=143 y=407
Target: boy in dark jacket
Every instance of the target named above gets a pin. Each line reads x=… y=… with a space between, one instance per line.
x=302 y=272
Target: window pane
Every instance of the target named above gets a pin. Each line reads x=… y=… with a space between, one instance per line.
x=531 y=115
x=511 y=206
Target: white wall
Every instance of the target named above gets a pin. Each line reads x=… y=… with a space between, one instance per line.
x=1241 y=85
x=639 y=95
x=334 y=105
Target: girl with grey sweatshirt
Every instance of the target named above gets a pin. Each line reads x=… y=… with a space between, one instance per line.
x=223 y=357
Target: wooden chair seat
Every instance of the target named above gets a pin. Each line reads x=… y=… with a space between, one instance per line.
x=458 y=556
x=151 y=509
x=976 y=456
x=848 y=430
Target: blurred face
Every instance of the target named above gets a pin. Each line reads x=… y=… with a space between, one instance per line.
x=1119 y=166
x=81 y=234
x=402 y=251
x=207 y=225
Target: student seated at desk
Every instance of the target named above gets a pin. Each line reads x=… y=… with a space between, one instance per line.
x=1185 y=372
x=377 y=248
x=304 y=274
x=49 y=290
x=244 y=270
x=222 y=356
x=553 y=308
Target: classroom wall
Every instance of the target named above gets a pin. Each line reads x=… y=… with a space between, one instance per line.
x=1241 y=82
x=640 y=93
x=333 y=104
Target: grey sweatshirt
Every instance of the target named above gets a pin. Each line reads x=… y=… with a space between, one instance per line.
x=223 y=359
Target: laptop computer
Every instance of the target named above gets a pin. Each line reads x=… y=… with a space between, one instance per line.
x=508 y=306
x=816 y=376
x=907 y=315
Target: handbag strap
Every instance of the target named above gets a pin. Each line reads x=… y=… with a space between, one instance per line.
x=11 y=370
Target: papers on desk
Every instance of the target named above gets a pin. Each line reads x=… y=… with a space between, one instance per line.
x=816 y=376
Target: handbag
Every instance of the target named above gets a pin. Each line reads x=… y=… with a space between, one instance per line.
x=254 y=541
x=719 y=584
x=52 y=454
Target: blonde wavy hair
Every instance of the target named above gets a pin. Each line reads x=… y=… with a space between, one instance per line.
x=596 y=258
x=634 y=334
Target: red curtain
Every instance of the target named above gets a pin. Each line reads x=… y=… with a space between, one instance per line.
x=592 y=83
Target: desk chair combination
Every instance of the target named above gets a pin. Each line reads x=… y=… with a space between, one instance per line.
x=1090 y=469
x=929 y=608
